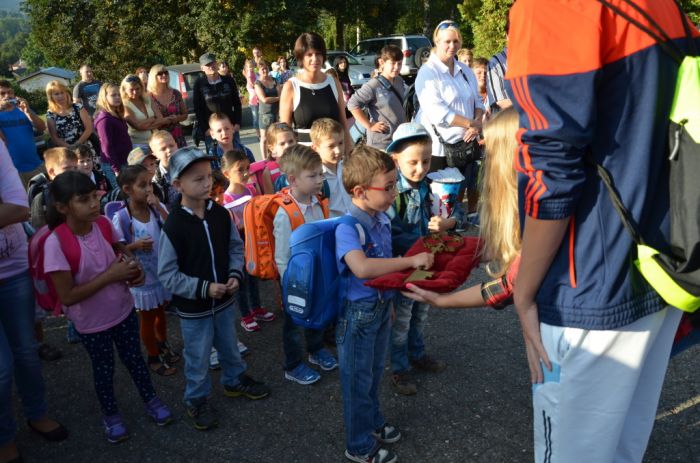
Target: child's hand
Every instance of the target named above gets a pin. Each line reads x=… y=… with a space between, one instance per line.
x=139 y=280
x=145 y=243
x=440 y=224
x=379 y=127
x=232 y=285
x=217 y=290
x=421 y=295
x=152 y=200
x=423 y=260
x=123 y=269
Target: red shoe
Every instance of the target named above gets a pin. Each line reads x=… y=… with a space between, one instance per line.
x=262 y=315
x=249 y=324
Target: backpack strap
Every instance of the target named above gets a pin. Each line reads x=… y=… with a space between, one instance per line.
x=105 y=227
x=70 y=245
x=387 y=85
x=325 y=206
x=125 y=223
x=286 y=202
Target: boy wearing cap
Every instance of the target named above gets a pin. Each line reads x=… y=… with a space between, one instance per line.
x=412 y=217
x=200 y=260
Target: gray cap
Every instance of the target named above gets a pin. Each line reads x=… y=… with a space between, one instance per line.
x=182 y=158
x=406 y=131
x=207 y=58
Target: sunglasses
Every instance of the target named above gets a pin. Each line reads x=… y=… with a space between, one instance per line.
x=447 y=25
x=162 y=73
x=282 y=125
x=132 y=79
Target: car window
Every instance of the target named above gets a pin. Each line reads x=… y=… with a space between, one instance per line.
x=414 y=43
x=368 y=47
x=351 y=60
x=396 y=42
x=191 y=78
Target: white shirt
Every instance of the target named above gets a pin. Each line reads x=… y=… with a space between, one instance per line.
x=282 y=229
x=339 y=200
x=442 y=96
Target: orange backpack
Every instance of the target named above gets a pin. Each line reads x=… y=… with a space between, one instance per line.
x=258 y=217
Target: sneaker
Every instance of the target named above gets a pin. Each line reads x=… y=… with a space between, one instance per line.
x=214 y=360
x=159 y=412
x=387 y=434
x=402 y=385
x=203 y=414
x=115 y=431
x=324 y=359
x=429 y=364
x=249 y=324
x=302 y=374
x=380 y=456
x=262 y=315
x=248 y=388
x=243 y=349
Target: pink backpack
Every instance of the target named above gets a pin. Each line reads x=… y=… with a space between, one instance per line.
x=44 y=291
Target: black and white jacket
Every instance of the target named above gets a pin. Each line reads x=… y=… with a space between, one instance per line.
x=193 y=253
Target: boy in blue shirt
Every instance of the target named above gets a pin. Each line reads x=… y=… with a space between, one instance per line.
x=362 y=333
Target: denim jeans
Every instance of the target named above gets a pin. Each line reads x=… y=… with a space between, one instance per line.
x=362 y=336
x=248 y=294
x=292 y=342
x=19 y=357
x=198 y=335
x=407 y=332
x=109 y=174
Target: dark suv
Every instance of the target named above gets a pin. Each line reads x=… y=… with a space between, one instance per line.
x=415 y=48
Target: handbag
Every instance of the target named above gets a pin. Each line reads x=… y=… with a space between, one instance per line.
x=459 y=154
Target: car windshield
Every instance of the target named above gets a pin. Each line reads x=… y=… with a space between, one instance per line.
x=351 y=59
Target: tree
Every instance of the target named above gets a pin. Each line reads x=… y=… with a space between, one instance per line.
x=486 y=20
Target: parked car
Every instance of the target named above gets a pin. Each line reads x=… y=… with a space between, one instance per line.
x=415 y=48
x=358 y=72
x=182 y=78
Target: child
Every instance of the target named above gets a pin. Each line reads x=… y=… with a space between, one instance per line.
x=221 y=130
x=200 y=258
x=235 y=167
x=112 y=130
x=363 y=328
x=303 y=168
x=144 y=157
x=328 y=140
x=86 y=165
x=138 y=225
x=278 y=136
x=97 y=297
x=162 y=146
x=218 y=187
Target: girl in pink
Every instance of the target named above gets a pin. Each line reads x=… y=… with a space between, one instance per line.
x=96 y=298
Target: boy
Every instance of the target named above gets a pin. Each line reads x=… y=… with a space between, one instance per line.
x=200 y=258
x=162 y=146
x=363 y=328
x=412 y=218
x=304 y=173
x=223 y=132
x=86 y=165
x=328 y=139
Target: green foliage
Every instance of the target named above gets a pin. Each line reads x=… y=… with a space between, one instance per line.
x=488 y=25
x=36 y=99
x=14 y=30
x=692 y=7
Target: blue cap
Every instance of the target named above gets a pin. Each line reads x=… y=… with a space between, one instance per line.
x=182 y=158
x=406 y=131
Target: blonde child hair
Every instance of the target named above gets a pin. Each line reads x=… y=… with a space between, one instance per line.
x=498 y=209
x=53 y=157
x=273 y=130
x=51 y=87
x=299 y=158
x=363 y=164
x=160 y=135
x=218 y=117
x=103 y=104
x=323 y=128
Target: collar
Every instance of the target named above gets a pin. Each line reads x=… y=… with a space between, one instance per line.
x=163 y=170
x=442 y=67
x=329 y=173
x=304 y=207
x=207 y=207
x=403 y=184
x=368 y=221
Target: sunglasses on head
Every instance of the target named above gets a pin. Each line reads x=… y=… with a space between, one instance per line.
x=282 y=125
x=447 y=25
x=162 y=73
x=132 y=79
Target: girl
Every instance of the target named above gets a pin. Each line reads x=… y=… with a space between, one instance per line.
x=168 y=101
x=500 y=225
x=279 y=137
x=138 y=226
x=139 y=111
x=113 y=132
x=235 y=166
x=96 y=297
x=284 y=72
x=268 y=92
x=69 y=124
x=342 y=69
x=250 y=78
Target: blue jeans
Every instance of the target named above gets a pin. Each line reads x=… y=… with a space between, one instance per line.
x=109 y=174
x=292 y=342
x=19 y=357
x=362 y=336
x=248 y=294
x=198 y=335
x=407 y=332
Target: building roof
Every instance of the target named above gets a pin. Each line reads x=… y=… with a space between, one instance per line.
x=52 y=71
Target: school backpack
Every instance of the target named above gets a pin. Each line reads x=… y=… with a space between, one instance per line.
x=312 y=286
x=123 y=214
x=258 y=218
x=44 y=291
x=675 y=275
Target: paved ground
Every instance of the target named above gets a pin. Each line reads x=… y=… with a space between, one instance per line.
x=478 y=410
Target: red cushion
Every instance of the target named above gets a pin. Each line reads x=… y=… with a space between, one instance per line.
x=451 y=268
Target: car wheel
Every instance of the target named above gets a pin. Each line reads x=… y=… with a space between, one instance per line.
x=421 y=56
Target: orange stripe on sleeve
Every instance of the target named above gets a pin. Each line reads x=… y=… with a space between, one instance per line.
x=537 y=114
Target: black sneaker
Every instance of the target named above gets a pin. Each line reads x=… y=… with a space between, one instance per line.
x=387 y=434
x=380 y=456
x=248 y=388
x=203 y=414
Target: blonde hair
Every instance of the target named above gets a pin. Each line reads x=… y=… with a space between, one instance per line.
x=498 y=209
x=464 y=52
x=55 y=156
x=218 y=117
x=160 y=135
x=131 y=81
x=299 y=158
x=452 y=27
x=363 y=164
x=103 y=104
x=153 y=82
x=52 y=87
x=324 y=128
x=275 y=129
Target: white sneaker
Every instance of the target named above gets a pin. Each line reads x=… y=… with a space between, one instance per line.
x=214 y=360
x=243 y=349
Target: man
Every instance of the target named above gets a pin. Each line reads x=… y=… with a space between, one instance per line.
x=589 y=86
x=214 y=93
x=85 y=92
x=17 y=124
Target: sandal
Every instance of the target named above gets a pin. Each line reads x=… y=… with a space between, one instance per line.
x=168 y=354
x=49 y=353
x=160 y=367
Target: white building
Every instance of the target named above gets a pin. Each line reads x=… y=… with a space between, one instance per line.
x=38 y=80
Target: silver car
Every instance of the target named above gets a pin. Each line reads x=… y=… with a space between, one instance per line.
x=359 y=74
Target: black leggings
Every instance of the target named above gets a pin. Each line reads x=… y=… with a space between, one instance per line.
x=125 y=337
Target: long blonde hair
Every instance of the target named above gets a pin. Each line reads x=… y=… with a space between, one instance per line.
x=52 y=87
x=498 y=209
x=153 y=82
x=103 y=103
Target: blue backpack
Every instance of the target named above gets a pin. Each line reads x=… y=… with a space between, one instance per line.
x=311 y=285
x=119 y=209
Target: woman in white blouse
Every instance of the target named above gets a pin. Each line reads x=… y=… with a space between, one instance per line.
x=448 y=94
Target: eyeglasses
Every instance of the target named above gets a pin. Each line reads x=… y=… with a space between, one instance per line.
x=162 y=73
x=393 y=188
x=447 y=25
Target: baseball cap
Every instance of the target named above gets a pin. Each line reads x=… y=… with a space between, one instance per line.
x=406 y=131
x=138 y=155
x=183 y=158
x=207 y=58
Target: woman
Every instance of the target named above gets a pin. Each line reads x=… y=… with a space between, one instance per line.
x=139 y=112
x=450 y=106
x=113 y=132
x=312 y=94
x=268 y=92
x=285 y=72
x=224 y=69
x=168 y=101
x=69 y=123
x=20 y=362
x=250 y=78
x=342 y=68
